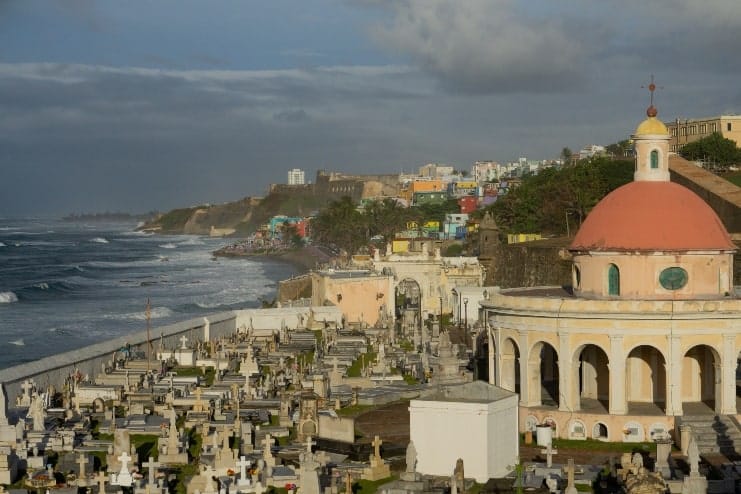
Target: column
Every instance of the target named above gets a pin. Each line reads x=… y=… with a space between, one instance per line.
x=618 y=403
x=568 y=401
x=492 y=352
x=674 y=377
x=522 y=343
x=727 y=376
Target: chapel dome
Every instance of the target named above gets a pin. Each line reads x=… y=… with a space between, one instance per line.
x=651 y=126
x=652 y=216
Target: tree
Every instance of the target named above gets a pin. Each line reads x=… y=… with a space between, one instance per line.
x=712 y=149
x=385 y=218
x=341 y=225
x=566 y=154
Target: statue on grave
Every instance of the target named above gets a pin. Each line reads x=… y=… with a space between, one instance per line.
x=36 y=411
x=411 y=458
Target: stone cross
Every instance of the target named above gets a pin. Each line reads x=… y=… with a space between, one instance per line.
x=570 y=470
x=242 y=464
x=27 y=386
x=549 y=452
x=198 y=406
x=309 y=443
x=377 y=446
x=183 y=340
x=266 y=445
x=124 y=476
x=82 y=460
x=152 y=466
x=101 y=480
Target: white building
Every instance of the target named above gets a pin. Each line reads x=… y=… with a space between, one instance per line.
x=476 y=422
x=296 y=177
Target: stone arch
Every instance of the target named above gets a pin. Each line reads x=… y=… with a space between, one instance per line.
x=408 y=305
x=98 y=405
x=646 y=378
x=509 y=363
x=543 y=378
x=700 y=377
x=485 y=356
x=600 y=431
x=593 y=375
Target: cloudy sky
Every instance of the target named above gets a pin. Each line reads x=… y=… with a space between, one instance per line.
x=139 y=105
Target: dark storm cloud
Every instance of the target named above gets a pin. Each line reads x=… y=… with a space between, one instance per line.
x=540 y=46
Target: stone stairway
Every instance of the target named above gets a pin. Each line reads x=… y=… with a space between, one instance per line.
x=715 y=433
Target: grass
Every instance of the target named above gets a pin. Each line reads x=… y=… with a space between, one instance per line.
x=410 y=379
x=734 y=178
x=364 y=359
x=208 y=375
x=183 y=473
x=369 y=487
x=354 y=410
x=146 y=445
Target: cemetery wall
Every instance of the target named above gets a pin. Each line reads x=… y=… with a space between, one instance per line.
x=89 y=360
x=337 y=428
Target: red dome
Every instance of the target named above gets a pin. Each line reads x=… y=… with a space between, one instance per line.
x=648 y=216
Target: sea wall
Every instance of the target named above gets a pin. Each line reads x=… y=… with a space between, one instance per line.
x=53 y=370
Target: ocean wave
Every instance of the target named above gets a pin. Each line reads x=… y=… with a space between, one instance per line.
x=18 y=342
x=99 y=240
x=2 y=245
x=8 y=297
x=155 y=313
x=42 y=286
x=168 y=246
x=192 y=241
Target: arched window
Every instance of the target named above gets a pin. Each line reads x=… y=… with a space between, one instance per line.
x=654 y=159
x=613 y=280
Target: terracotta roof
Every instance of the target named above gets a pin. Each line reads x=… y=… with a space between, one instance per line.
x=652 y=216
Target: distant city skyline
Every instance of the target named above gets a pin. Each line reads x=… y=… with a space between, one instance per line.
x=154 y=105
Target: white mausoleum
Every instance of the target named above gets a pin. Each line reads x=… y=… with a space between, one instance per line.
x=476 y=422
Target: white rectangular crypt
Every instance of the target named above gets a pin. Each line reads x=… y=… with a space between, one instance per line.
x=476 y=422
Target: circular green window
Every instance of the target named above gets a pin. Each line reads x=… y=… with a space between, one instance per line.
x=673 y=278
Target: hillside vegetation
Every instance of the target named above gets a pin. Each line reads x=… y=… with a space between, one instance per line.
x=244 y=215
x=556 y=201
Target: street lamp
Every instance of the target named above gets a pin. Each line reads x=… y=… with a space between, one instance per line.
x=465 y=304
x=457 y=302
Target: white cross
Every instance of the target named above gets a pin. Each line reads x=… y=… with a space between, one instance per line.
x=27 y=387
x=242 y=464
x=151 y=465
x=183 y=339
x=549 y=452
x=309 y=443
x=124 y=459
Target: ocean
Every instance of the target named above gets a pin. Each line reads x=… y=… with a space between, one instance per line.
x=64 y=285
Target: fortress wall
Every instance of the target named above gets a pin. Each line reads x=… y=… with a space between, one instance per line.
x=89 y=360
x=723 y=196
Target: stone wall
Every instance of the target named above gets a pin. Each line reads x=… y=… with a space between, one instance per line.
x=294 y=288
x=723 y=196
x=337 y=428
x=88 y=360
x=544 y=263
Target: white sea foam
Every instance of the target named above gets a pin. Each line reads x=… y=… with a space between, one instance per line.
x=8 y=297
x=192 y=241
x=18 y=342
x=2 y=245
x=99 y=240
x=42 y=286
x=156 y=313
x=168 y=246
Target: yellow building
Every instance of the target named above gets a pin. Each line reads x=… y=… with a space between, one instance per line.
x=650 y=330
x=684 y=131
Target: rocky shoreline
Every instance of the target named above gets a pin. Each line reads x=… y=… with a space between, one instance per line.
x=305 y=258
